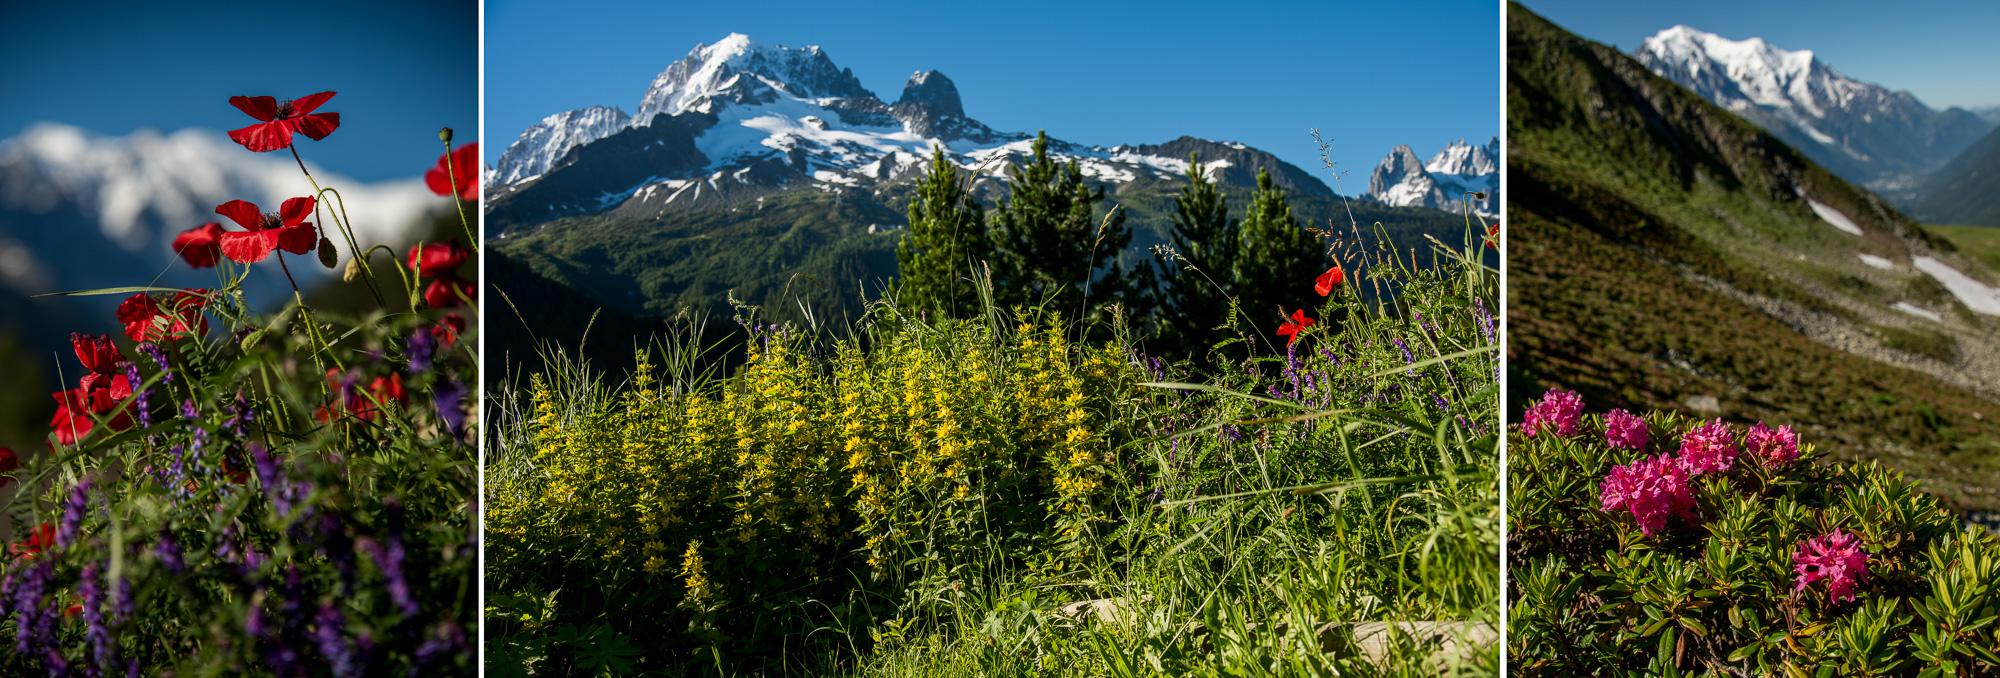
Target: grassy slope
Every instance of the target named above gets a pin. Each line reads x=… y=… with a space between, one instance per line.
x=1624 y=188
x=1978 y=242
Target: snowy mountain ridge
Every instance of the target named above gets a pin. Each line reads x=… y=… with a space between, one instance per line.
x=548 y=140
x=1440 y=183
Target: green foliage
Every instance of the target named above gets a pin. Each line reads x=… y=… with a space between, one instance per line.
x=920 y=497
x=1278 y=258
x=1052 y=245
x=946 y=244
x=1592 y=595
x=1196 y=290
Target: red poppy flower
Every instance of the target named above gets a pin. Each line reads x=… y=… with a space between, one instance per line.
x=448 y=329
x=1491 y=234
x=139 y=310
x=97 y=353
x=9 y=463
x=200 y=245
x=75 y=409
x=1327 y=281
x=444 y=292
x=437 y=258
x=280 y=120
x=1296 y=327
x=116 y=385
x=463 y=172
x=41 y=538
x=287 y=230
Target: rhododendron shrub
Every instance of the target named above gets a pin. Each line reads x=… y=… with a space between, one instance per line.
x=229 y=490
x=1638 y=546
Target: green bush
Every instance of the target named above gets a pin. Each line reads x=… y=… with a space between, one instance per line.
x=1716 y=589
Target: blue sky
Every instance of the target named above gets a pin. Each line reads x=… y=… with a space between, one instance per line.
x=1943 y=52
x=403 y=69
x=1368 y=75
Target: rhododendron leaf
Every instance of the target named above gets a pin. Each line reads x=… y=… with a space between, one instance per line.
x=309 y=103
x=244 y=213
x=1696 y=627
x=261 y=108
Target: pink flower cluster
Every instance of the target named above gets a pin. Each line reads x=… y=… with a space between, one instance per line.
x=1626 y=430
x=1773 y=448
x=1560 y=410
x=1709 y=448
x=1836 y=558
x=1650 y=489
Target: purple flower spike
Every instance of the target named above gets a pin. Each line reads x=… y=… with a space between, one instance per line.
x=420 y=348
x=1560 y=410
x=72 y=519
x=449 y=396
x=1625 y=430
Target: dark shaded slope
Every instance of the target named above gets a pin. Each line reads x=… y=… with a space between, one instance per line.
x=1967 y=190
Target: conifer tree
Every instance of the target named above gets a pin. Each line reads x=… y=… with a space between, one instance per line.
x=946 y=243
x=1052 y=245
x=1197 y=288
x=1278 y=258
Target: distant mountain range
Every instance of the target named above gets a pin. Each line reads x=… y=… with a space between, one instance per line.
x=1885 y=140
x=1730 y=274
x=1459 y=169
x=753 y=171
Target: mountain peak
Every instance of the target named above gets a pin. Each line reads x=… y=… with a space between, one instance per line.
x=933 y=89
x=739 y=69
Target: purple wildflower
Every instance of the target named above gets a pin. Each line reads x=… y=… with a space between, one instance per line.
x=330 y=634
x=1560 y=410
x=240 y=416
x=168 y=552
x=159 y=359
x=449 y=396
x=101 y=658
x=446 y=640
x=1709 y=448
x=419 y=350
x=140 y=396
x=72 y=518
x=1625 y=430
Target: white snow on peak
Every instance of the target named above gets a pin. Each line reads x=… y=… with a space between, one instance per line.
x=1877 y=262
x=546 y=142
x=1442 y=183
x=1974 y=294
x=1465 y=159
x=712 y=72
x=145 y=188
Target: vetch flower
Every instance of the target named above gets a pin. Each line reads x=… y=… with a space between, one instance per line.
x=1772 y=448
x=200 y=246
x=1560 y=410
x=1650 y=489
x=1296 y=327
x=1625 y=430
x=287 y=230
x=1836 y=558
x=1709 y=448
x=280 y=120
x=1327 y=281
x=463 y=172
x=419 y=349
x=438 y=258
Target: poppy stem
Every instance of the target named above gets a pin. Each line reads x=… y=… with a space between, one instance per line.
x=451 y=175
x=346 y=231
x=288 y=273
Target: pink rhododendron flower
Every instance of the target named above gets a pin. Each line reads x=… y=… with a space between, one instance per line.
x=1772 y=448
x=1560 y=410
x=1626 y=430
x=1836 y=558
x=1650 y=489
x=1709 y=448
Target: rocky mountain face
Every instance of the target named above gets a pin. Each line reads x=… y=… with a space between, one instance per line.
x=1887 y=141
x=1666 y=252
x=738 y=120
x=1460 y=168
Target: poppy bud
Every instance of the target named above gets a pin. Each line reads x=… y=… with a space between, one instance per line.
x=444 y=135
x=353 y=271
x=327 y=257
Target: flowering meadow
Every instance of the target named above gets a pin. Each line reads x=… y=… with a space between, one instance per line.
x=269 y=492
x=1657 y=545
x=955 y=497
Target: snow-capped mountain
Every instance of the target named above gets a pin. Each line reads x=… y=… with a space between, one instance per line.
x=739 y=119
x=1458 y=169
x=548 y=140
x=81 y=211
x=1884 y=139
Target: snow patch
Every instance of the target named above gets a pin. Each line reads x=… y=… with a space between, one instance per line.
x=1876 y=261
x=1975 y=295
x=1911 y=309
x=1834 y=217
